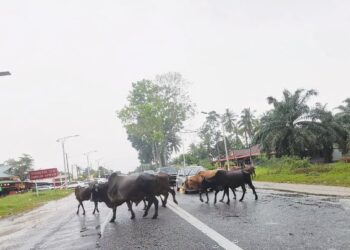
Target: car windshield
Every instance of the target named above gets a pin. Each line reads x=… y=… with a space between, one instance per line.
x=168 y=170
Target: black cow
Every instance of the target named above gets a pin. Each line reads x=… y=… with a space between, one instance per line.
x=231 y=179
x=120 y=189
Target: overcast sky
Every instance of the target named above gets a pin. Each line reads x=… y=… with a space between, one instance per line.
x=73 y=62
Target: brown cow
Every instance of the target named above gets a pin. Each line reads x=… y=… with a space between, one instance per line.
x=84 y=194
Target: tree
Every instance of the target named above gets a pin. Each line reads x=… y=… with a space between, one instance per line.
x=343 y=118
x=21 y=166
x=248 y=124
x=330 y=131
x=211 y=134
x=288 y=129
x=154 y=116
x=231 y=127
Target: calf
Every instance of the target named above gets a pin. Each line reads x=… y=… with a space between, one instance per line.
x=84 y=194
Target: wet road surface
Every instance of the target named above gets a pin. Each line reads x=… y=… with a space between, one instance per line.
x=278 y=220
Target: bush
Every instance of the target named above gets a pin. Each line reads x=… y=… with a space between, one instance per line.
x=285 y=162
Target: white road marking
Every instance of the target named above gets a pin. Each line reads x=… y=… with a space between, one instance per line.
x=221 y=240
x=104 y=224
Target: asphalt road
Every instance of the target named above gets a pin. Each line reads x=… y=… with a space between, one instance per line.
x=278 y=220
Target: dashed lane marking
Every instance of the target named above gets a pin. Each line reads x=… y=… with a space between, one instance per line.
x=221 y=240
x=104 y=224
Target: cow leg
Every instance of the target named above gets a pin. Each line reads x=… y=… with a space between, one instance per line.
x=200 y=195
x=78 y=208
x=233 y=191
x=173 y=195
x=149 y=201
x=81 y=203
x=244 y=190
x=227 y=191
x=96 y=208
x=250 y=184
x=155 y=201
x=144 y=204
x=206 y=193
x=216 y=192
x=130 y=209
x=165 y=199
x=114 y=213
x=223 y=196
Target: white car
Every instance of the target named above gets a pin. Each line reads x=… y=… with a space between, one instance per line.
x=75 y=184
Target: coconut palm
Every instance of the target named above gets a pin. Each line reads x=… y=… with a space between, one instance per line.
x=288 y=128
x=234 y=132
x=330 y=131
x=248 y=124
x=343 y=117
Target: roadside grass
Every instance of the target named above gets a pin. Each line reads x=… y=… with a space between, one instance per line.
x=14 y=204
x=334 y=174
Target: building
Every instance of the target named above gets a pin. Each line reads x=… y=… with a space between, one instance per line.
x=10 y=183
x=242 y=156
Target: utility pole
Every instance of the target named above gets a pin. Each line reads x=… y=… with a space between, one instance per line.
x=65 y=160
x=88 y=161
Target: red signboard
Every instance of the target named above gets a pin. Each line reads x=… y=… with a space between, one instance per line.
x=43 y=174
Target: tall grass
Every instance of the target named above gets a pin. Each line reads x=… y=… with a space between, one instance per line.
x=17 y=203
x=296 y=170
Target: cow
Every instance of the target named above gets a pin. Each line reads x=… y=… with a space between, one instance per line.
x=128 y=189
x=163 y=189
x=84 y=194
x=195 y=183
x=231 y=179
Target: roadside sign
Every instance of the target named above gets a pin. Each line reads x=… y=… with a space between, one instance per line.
x=43 y=173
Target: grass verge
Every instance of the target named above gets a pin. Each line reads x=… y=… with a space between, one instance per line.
x=14 y=204
x=334 y=174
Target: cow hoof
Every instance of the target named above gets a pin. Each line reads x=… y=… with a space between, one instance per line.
x=154 y=216
x=206 y=202
x=144 y=215
x=163 y=206
x=221 y=200
x=240 y=200
x=132 y=217
x=112 y=220
x=176 y=202
x=228 y=203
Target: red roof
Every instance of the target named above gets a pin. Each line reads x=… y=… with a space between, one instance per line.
x=242 y=153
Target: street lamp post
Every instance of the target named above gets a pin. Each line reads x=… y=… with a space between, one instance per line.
x=87 y=160
x=5 y=73
x=62 y=140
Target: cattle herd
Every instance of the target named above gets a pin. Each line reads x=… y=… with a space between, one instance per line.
x=146 y=187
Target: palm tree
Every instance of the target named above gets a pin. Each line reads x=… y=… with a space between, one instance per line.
x=288 y=128
x=343 y=118
x=248 y=123
x=330 y=131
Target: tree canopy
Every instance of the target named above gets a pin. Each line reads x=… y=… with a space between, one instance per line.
x=154 y=116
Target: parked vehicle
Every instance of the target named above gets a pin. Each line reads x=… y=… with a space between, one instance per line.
x=149 y=172
x=171 y=171
x=183 y=173
x=43 y=186
x=75 y=184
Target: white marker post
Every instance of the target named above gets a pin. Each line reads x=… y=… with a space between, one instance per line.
x=36 y=188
